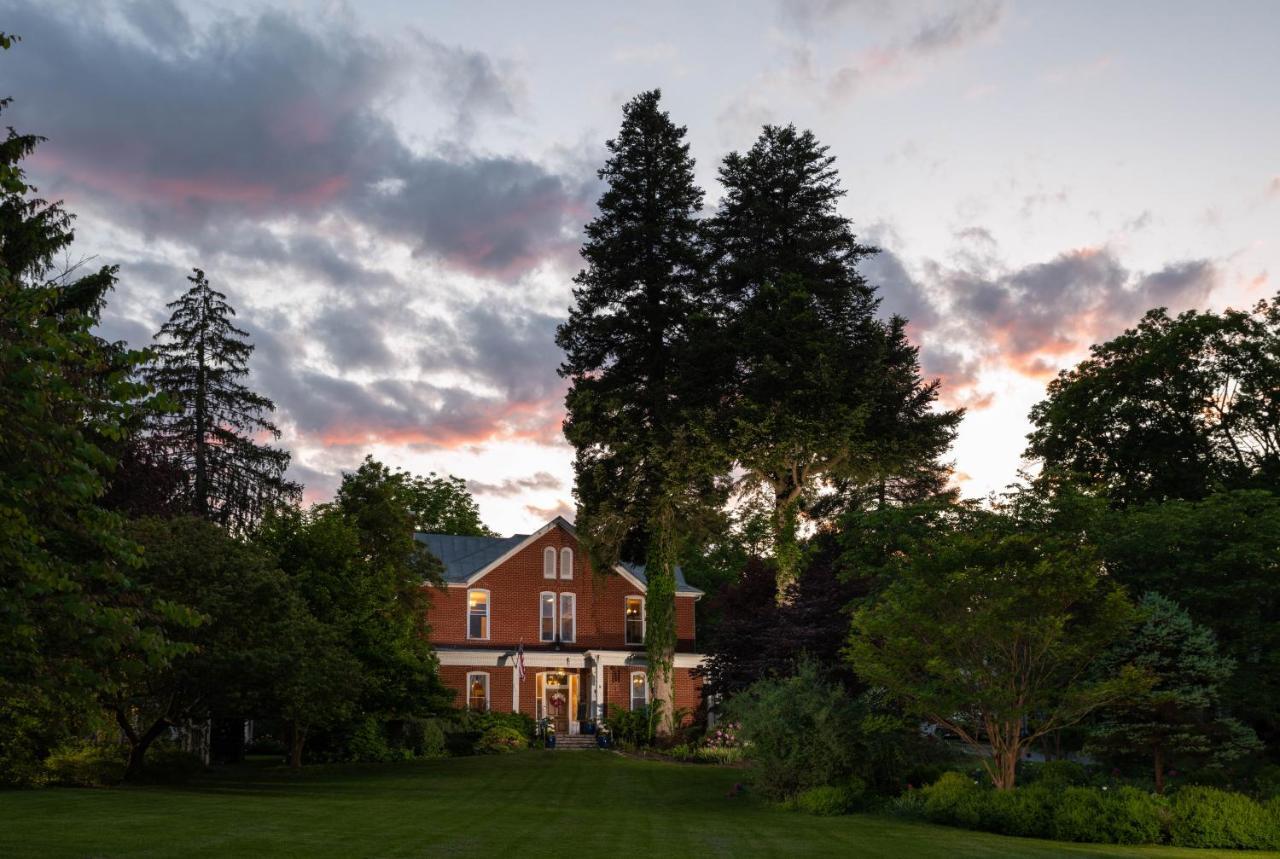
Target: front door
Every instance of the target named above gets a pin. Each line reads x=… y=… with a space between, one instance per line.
x=557 y=704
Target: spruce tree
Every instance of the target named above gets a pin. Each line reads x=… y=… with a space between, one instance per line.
x=822 y=389
x=68 y=610
x=1177 y=718
x=200 y=359
x=639 y=401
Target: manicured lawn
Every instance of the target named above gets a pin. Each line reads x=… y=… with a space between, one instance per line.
x=562 y=804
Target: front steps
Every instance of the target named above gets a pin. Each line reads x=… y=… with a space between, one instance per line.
x=575 y=743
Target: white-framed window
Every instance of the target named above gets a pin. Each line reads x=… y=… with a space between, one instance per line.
x=478 y=613
x=546 y=616
x=549 y=563
x=478 y=691
x=568 y=617
x=639 y=691
x=634 y=620
x=566 y=563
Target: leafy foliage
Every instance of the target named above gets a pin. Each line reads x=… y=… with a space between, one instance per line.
x=1177 y=407
x=993 y=630
x=67 y=607
x=1208 y=817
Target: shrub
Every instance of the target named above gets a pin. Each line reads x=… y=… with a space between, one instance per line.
x=909 y=804
x=632 y=727
x=830 y=800
x=801 y=732
x=499 y=740
x=430 y=739
x=1124 y=815
x=1025 y=811
x=1209 y=817
x=368 y=744
x=719 y=754
x=85 y=765
x=955 y=800
x=266 y=745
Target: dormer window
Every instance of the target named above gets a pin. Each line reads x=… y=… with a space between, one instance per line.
x=566 y=563
x=548 y=563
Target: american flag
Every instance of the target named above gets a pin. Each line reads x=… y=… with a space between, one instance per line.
x=520 y=660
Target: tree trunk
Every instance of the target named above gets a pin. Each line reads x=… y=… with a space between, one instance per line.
x=1159 y=769
x=138 y=743
x=296 y=740
x=664 y=694
x=786 y=546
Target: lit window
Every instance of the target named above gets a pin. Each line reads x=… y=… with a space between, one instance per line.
x=549 y=563
x=635 y=620
x=477 y=614
x=478 y=691
x=639 y=691
x=547 y=628
x=566 y=563
x=568 y=617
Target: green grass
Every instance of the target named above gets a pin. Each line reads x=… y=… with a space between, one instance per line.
x=561 y=804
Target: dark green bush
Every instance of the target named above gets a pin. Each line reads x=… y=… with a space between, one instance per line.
x=630 y=727
x=831 y=800
x=266 y=745
x=85 y=765
x=1025 y=811
x=1209 y=817
x=1058 y=774
x=500 y=740
x=168 y=762
x=368 y=744
x=801 y=732
x=1122 y=815
x=955 y=800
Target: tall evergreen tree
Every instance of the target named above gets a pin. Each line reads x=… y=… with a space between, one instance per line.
x=67 y=607
x=1175 y=720
x=639 y=403
x=822 y=389
x=200 y=360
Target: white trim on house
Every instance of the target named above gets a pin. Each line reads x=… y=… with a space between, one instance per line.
x=488 y=614
x=532 y=659
x=501 y=559
x=485 y=675
x=620 y=658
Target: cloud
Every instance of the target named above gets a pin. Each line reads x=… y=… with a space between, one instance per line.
x=1273 y=187
x=260 y=119
x=516 y=486
x=561 y=508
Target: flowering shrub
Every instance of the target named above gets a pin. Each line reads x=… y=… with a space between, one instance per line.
x=724 y=737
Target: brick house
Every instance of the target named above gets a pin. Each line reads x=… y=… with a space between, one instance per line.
x=582 y=632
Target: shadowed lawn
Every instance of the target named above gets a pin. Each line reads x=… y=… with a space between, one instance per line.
x=562 y=804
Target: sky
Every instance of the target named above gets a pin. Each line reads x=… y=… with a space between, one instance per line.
x=392 y=194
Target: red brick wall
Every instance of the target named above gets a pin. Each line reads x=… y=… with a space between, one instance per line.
x=455 y=678
x=514 y=589
x=617 y=688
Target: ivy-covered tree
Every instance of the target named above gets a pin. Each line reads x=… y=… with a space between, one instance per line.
x=210 y=432
x=1176 y=407
x=1174 y=720
x=642 y=394
x=822 y=389
x=994 y=629
x=67 y=607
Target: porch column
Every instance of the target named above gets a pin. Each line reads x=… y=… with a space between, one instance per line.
x=515 y=688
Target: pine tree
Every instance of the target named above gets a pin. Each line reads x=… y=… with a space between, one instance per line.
x=200 y=358
x=822 y=390
x=67 y=608
x=1176 y=719
x=646 y=463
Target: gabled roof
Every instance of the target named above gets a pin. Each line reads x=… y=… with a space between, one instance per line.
x=466 y=559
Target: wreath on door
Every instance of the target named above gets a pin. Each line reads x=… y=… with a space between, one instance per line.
x=557 y=697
